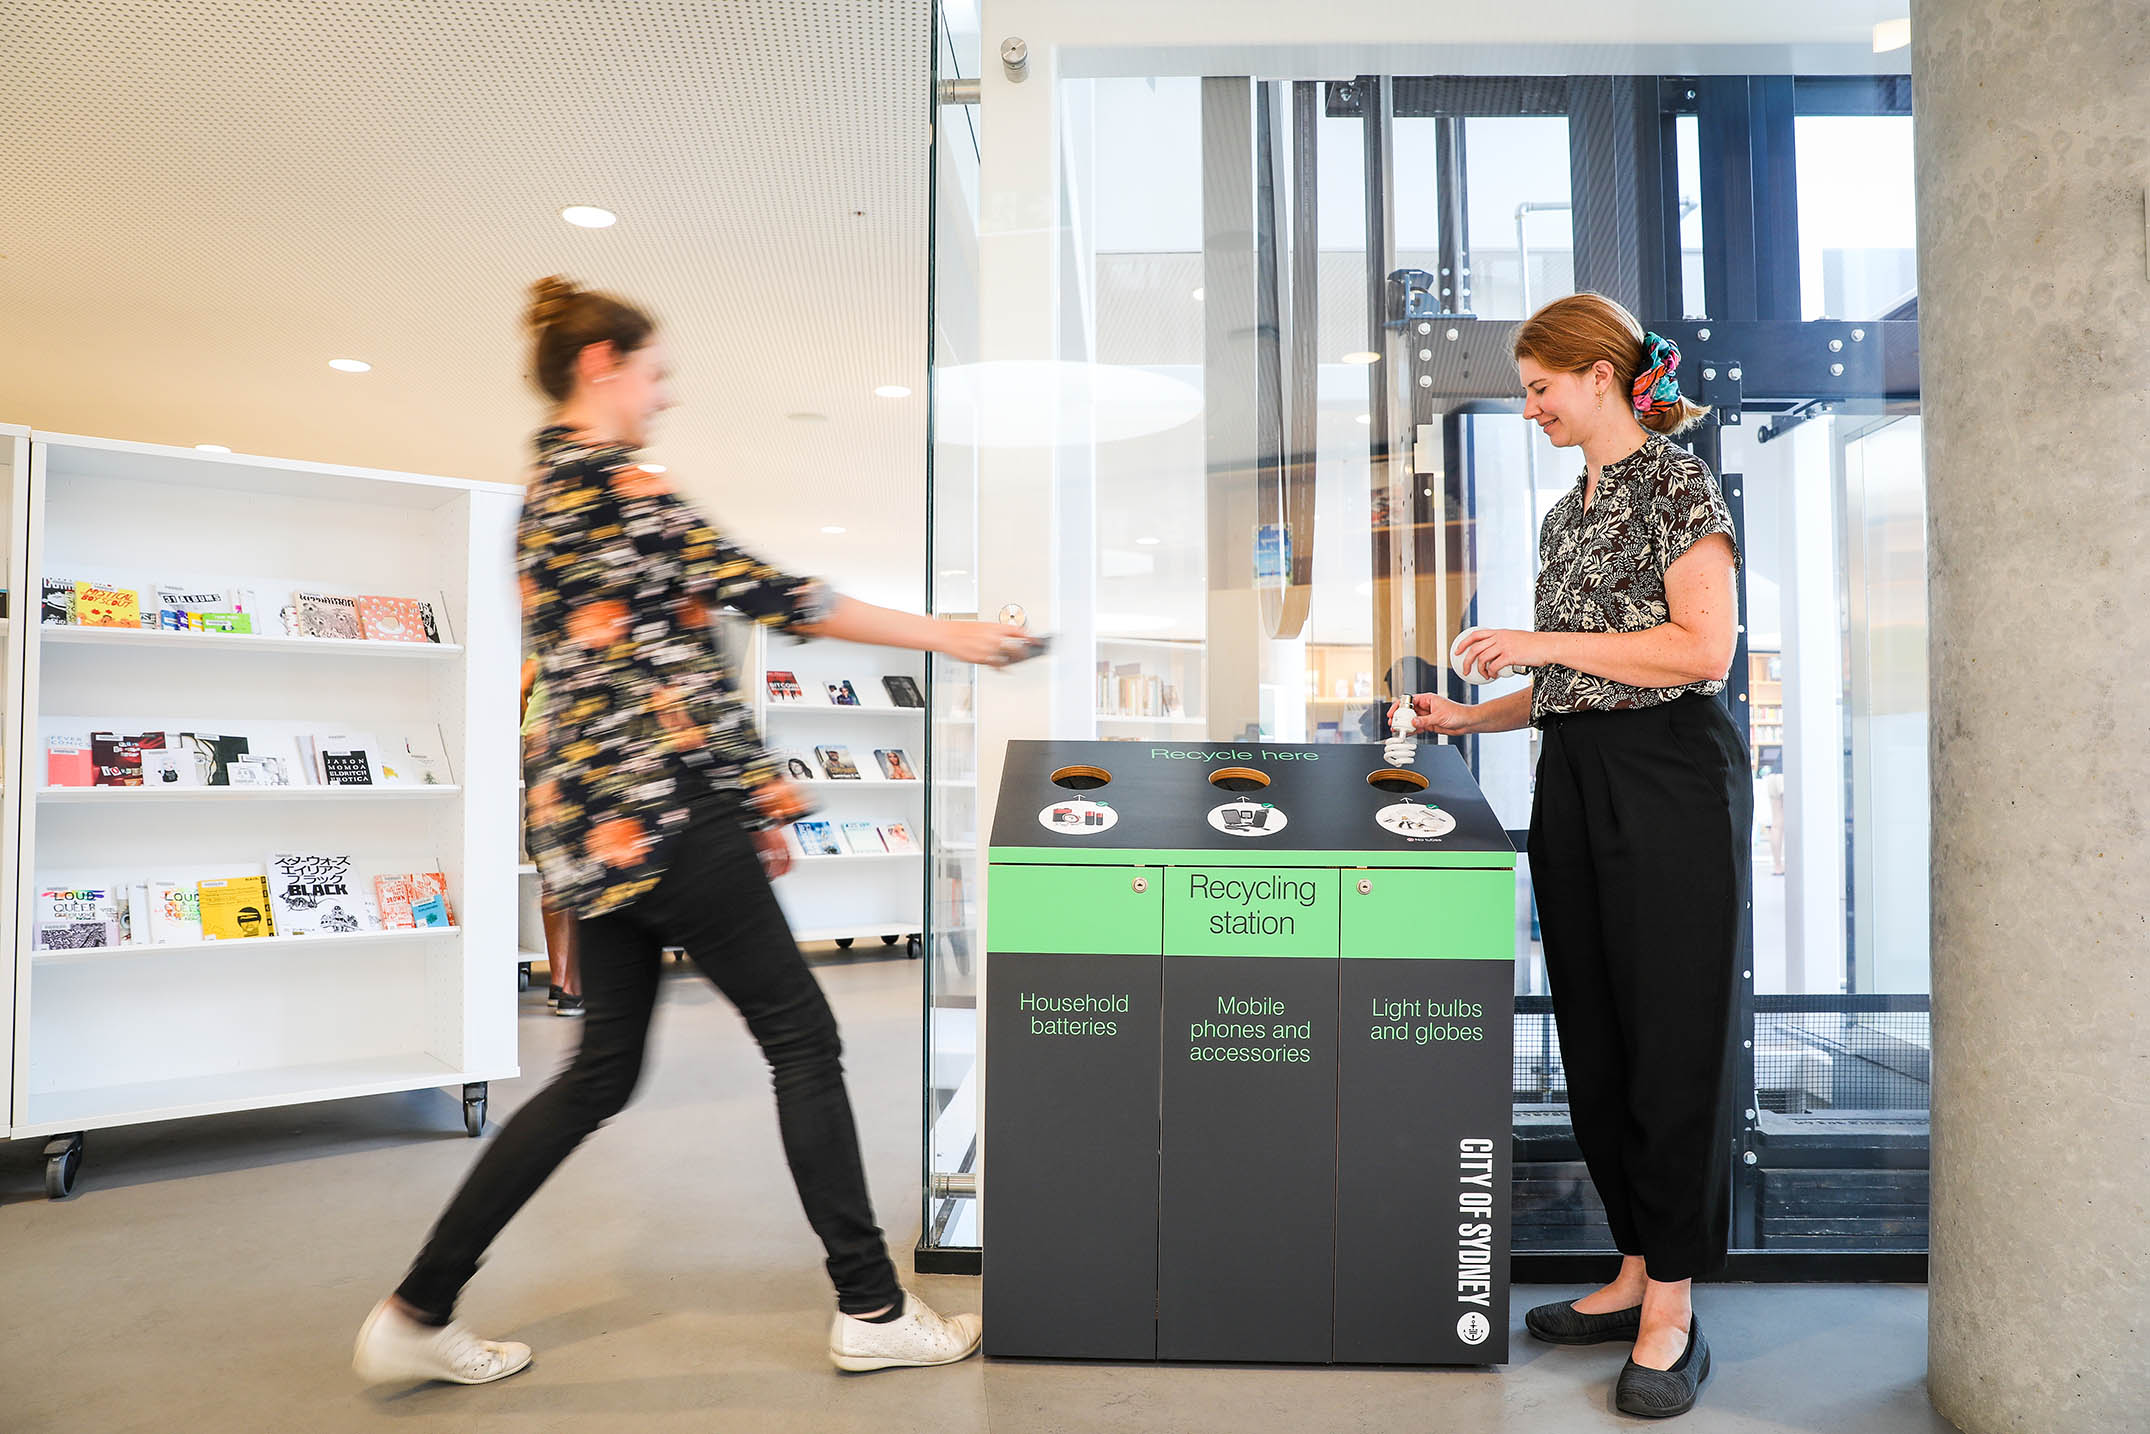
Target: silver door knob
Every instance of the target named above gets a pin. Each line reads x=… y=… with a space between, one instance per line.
x=1142 y=884
x=1366 y=888
x=1014 y=616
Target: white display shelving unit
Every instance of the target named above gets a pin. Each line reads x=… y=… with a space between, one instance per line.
x=142 y=1033
x=1175 y=665
x=879 y=896
x=15 y=494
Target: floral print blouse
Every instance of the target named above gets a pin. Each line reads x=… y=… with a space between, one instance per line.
x=635 y=723
x=1604 y=570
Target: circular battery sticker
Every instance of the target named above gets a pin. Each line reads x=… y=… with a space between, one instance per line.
x=1078 y=818
x=1247 y=819
x=1416 y=820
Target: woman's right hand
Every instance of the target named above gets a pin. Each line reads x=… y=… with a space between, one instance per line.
x=1431 y=713
x=989 y=644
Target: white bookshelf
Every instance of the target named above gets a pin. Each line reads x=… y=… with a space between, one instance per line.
x=857 y=897
x=140 y=1033
x=14 y=504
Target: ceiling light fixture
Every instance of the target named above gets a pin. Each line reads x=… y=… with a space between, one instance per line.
x=1149 y=542
x=589 y=216
x=832 y=528
x=1891 y=35
x=211 y=448
x=350 y=365
x=955 y=572
x=1366 y=418
x=1198 y=295
x=891 y=390
x=1362 y=356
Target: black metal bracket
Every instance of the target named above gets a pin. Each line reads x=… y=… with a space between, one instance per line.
x=1723 y=388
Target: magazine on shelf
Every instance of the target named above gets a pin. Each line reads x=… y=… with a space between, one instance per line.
x=416 y=758
x=235 y=908
x=895 y=764
x=213 y=754
x=903 y=691
x=204 y=609
x=97 y=605
x=864 y=838
x=896 y=836
x=69 y=763
x=169 y=767
x=118 y=756
x=837 y=764
x=58 y=608
x=412 y=900
x=843 y=694
x=796 y=765
x=393 y=619
x=175 y=912
x=259 y=770
x=818 y=838
x=345 y=759
x=313 y=893
x=76 y=918
x=784 y=686
x=323 y=615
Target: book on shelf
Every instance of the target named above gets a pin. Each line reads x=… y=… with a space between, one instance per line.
x=903 y=691
x=118 y=756
x=415 y=758
x=344 y=759
x=843 y=694
x=175 y=912
x=818 y=838
x=411 y=901
x=323 y=615
x=864 y=838
x=235 y=908
x=313 y=893
x=796 y=766
x=896 y=837
x=394 y=619
x=169 y=767
x=213 y=754
x=784 y=686
x=895 y=764
x=261 y=770
x=58 y=607
x=69 y=762
x=196 y=609
x=76 y=918
x=836 y=763
x=97 y=605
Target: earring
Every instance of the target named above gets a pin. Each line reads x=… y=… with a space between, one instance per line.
x=1601 y=398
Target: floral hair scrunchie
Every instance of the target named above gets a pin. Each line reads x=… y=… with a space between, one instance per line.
x=1656 y=387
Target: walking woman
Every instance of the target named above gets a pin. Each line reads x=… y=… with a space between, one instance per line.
x=1640 y=826
x=656 y=817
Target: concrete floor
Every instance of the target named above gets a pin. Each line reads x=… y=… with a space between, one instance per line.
x=210 y=1275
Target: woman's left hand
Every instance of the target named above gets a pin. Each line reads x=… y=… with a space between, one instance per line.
x=1492 y=648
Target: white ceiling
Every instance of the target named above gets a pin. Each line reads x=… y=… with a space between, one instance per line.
x=209 y=199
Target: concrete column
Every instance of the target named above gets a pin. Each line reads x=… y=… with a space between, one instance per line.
x=2035 y=309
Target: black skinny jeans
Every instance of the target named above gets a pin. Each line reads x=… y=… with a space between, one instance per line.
x=714 y=901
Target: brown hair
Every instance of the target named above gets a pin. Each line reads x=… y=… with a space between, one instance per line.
x=1571 y=335
x=565 y=320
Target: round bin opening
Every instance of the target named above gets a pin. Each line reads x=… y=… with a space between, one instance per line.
x=1239 y=779
x=1081 y=779
x=1395 y=779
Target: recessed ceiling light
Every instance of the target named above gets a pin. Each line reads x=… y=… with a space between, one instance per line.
x=589 y=216
x=1366 y=418
x=892 y=390
x=955 y=572
x=1891 y=35
x=1198 y=294
x=1362 y=356
x=211 y=448
x=832 y=528
x=350 y=365
x=1148 y=542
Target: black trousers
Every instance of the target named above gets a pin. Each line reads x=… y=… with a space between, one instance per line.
x=1640 y=838
x=714 y=901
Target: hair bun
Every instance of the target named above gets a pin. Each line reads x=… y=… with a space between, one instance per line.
x=549 y=298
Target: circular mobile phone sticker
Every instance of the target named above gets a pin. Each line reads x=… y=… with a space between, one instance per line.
x=1417 y=820
x=1078 y=818
x=1247 y=819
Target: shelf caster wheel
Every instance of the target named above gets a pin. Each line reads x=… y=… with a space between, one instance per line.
x=913 y=947
x=522 y=976
x=474 y=1109
x=890 y=940
x=843 y=943
x=63 y=1162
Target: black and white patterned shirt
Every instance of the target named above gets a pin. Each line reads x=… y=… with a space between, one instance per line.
x=1603 y=570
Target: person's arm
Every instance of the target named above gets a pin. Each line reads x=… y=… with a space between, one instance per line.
x=1439 y=715
x=991 y=644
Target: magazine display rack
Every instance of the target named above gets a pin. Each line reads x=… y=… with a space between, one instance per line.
x=15 y=491
x=858 y=892
x=119 y=1034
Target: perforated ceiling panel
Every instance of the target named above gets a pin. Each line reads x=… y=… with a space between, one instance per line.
x=208 y=201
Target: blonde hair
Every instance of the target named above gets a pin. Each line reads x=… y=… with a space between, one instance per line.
x=1573 y=334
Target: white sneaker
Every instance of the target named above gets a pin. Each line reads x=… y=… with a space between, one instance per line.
x=914 y=1338
x=394 y=1348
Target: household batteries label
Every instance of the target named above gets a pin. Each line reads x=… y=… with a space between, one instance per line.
x=1078 y=818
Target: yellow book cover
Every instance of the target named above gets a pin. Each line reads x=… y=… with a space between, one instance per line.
x=235 y=907
x=97 y=606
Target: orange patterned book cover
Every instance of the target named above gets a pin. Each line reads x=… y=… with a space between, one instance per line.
x=391 y=619
x=97 y=606
x=397 y=895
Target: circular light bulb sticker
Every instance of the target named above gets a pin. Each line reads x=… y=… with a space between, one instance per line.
x=1078 y=818
x=1473 y=1328
x=1247 y=819
x=1418 y=821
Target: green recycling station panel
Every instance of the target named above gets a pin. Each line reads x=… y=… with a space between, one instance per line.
x=1248 y=1042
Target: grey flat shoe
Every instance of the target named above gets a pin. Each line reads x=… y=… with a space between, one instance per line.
x=1663 y=1393
x=1565 y=1324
